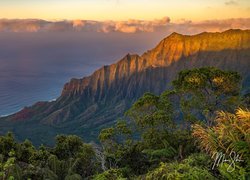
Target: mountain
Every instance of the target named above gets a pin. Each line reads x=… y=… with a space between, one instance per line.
x=86 y=105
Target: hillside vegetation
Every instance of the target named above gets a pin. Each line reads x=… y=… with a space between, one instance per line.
x=199 y=129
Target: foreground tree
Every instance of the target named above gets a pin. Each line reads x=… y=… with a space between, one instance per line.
x=72 y=157
x=161 y=138
x=206 y=90
x=116 y=141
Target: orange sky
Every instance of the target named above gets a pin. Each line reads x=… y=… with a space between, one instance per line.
x=195 y=10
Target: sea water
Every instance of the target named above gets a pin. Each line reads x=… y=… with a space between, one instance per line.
x=35 y=66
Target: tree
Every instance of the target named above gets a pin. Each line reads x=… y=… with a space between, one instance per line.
x=7 y=144
x=116 y=141
x=70 y=158
x=73 y=157
x=85 y=163
x=7 y=167
x=40 y=156
x=25 y=151
x=206 y=90
x=152 y=116
x=67 y=146
x=161 y=137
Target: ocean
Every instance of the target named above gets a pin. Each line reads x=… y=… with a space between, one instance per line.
x=35 y=66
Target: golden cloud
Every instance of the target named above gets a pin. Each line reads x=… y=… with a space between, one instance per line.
x=129 y=26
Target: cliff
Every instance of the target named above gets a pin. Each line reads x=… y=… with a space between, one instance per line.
x=88 y=104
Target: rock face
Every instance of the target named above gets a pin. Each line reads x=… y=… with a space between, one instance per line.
x=90 y=103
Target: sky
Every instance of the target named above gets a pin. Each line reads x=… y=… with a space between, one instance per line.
x=195 y=10
x=44 y=43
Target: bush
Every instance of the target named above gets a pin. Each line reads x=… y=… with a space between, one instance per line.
x=112 y=174
x=194 y=167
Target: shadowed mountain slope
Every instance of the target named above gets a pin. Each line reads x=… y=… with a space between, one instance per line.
x=93 y=102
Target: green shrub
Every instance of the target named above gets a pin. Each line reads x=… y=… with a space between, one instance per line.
x=112 y=174
x=194 y=167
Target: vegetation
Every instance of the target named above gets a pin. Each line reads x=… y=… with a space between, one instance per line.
x=70 y=158
x=200 y=129
x=230 y=136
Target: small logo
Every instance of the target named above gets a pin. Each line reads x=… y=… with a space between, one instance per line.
x=220 y=158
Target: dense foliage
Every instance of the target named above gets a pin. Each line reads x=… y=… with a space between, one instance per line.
x=230 y=136
x=70 y=158
x=189 y=132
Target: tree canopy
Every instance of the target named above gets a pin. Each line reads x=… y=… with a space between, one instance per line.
x=179 y=134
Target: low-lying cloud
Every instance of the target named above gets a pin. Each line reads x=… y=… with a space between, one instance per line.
x=129 y=26
x=189 y=27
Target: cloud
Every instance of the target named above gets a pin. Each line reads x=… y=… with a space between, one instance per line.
x=21 y=25
x=130 y=26
x=78 y=23
x=189 y=27
x=231 y=3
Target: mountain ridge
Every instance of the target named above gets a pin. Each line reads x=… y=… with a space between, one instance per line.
x=174 y=36
x=89 y=103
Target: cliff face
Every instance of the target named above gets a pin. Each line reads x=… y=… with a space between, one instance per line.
x=87 y=104
x=168 y=52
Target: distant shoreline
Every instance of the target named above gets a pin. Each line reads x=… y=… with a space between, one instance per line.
x=9 y=114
